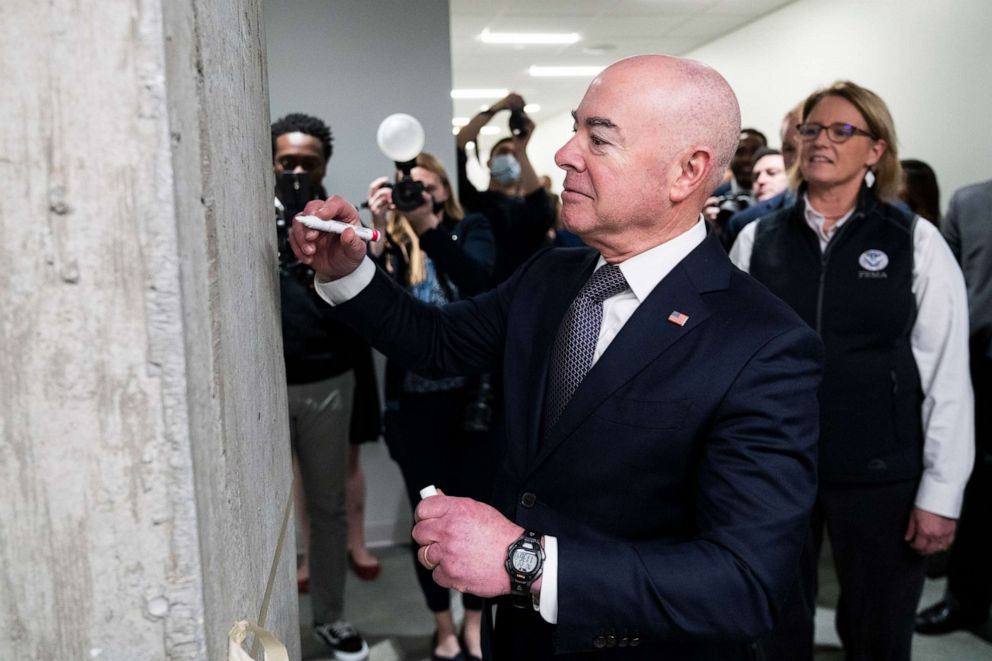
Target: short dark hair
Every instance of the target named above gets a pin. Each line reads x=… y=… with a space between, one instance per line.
x=762 y=152
x=499 y=142
x=757 y=134
x=298 y=122
x=922 y=193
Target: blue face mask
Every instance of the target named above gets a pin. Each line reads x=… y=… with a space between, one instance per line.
x=505 y=169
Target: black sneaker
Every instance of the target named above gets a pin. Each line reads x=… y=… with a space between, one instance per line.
x=347 y=643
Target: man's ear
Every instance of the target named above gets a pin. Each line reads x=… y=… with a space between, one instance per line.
x=692 y=171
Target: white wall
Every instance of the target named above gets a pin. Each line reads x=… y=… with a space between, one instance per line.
x=548 y=138
x=930 y=61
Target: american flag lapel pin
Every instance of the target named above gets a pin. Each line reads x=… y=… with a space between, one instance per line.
x=678 y=318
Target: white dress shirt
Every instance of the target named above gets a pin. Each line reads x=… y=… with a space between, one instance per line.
x=940 y=347
x=643 y=272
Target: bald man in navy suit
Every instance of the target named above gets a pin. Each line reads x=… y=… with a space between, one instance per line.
x=661 y=418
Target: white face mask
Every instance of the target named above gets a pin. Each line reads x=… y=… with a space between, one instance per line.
x=505 y=169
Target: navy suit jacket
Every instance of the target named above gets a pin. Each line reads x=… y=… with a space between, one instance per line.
x=679 y=478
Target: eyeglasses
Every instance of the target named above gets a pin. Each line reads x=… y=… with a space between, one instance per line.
x=836 y=132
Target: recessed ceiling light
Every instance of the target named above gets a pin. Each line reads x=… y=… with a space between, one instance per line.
x=490 y=130
x=556 y=72
x=459 y=121
x=479 y=93
x=532 y=108
x=488 y=37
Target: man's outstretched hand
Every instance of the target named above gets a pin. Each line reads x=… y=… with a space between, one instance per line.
x=331 y=255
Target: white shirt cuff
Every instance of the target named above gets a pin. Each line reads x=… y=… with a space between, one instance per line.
x=344 y=289
x=549 y=581
x=939 y=498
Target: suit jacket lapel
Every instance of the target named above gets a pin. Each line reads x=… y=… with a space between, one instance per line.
x=645 y=336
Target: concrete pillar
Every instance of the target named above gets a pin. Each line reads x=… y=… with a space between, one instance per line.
x=144 y=455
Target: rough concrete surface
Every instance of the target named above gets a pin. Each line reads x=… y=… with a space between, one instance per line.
x=144 y=455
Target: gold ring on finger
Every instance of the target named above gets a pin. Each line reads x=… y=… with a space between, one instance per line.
x=427 y=560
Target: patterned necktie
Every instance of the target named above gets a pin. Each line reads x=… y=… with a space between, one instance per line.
x=576 y=341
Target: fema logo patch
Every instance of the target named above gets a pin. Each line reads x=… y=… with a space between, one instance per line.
x=873 y=260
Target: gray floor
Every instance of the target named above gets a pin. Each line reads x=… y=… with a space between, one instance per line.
x=390 y=612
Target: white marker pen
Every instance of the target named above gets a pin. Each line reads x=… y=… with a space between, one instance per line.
x=428 y=491
x=336 y=226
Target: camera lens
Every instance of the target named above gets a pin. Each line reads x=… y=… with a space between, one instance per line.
x=408 y=194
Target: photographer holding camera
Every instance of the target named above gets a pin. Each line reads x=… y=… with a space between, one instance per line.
x=332 y=395
x=519 y=210
x=432 y=428
x=734 y=195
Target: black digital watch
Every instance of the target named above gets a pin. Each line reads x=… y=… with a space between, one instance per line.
x=524 y=564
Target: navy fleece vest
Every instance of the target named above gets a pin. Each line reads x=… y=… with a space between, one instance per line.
x=858 y=296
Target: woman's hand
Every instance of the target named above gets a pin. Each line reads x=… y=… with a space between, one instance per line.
x=380 y=201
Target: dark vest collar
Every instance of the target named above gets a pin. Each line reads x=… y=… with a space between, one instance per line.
x=864 y=204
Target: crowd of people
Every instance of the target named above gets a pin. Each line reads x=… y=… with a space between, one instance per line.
x=640 y=448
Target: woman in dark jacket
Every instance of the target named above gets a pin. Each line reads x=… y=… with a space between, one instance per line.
x=439 y=255
x=885 y=295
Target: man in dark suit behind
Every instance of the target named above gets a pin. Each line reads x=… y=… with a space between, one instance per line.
x=968 y=230
x=661 y=406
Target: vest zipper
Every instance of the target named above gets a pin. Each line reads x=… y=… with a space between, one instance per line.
x=824 y=258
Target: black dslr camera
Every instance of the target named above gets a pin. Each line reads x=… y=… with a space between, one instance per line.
x=730 y=204
x=519 y=123
x=408 y=194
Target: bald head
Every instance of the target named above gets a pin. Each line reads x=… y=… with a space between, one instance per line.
x=691 y=99
x=653 y=137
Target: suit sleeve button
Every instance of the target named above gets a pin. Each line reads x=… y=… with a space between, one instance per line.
x=599 y=642
x=528 y=500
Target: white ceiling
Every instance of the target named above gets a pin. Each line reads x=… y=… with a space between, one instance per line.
x=622 y=27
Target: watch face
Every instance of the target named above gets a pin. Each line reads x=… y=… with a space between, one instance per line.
x=524 y=561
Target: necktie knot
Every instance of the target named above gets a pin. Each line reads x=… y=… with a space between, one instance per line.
x=605 y=281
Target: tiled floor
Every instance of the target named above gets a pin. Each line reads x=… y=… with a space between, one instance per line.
x=390 y=612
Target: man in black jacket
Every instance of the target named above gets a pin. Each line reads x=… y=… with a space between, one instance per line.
x=324 y=363
x=968 y=230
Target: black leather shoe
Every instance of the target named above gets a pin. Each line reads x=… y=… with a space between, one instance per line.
x=943 y=618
